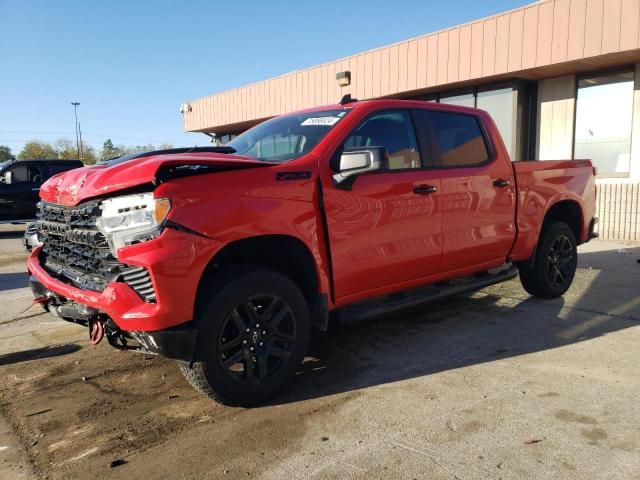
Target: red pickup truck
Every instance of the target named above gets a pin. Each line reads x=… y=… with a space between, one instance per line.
x=224 y=258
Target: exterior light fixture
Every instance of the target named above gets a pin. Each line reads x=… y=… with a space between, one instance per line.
x=344 y=78
x=185 y=107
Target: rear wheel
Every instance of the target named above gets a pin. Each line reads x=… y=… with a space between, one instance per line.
x=550 y=273
x=254 y=333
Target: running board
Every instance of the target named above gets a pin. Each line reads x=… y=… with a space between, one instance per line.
x=412 y=298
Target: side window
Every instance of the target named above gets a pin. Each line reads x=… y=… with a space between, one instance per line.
x=25 y=174
x=392 y=130
x=458 y=138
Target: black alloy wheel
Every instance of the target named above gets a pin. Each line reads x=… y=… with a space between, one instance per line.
x=256 y=338
x=560 y=261
x=550 y=271
x=253 y=332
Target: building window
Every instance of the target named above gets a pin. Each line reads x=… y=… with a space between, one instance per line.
x=465 y=100
x=604 y=113
x=501 y=105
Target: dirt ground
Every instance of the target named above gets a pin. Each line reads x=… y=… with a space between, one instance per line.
x=493 y=384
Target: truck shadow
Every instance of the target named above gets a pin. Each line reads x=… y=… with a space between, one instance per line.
x=11 y=281
x=11 y=233
x=500 y=322
x=38 y=353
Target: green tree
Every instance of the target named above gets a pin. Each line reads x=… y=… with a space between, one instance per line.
x=138 y=149
x=89 y=156
x=66 y=149
x=5 y=153
x=37 y=150
x=109 y=151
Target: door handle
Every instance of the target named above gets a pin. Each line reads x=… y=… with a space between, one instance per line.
x=500 y=183
x=424 y=189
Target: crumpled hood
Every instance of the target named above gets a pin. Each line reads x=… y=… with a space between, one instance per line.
x=75 y=186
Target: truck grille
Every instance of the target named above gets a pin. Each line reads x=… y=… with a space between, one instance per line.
x=74 y=251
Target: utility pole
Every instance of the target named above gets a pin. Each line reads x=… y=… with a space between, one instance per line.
x=81 y=149
x=75 y=110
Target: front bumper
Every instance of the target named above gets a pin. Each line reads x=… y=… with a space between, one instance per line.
x=178 y=343
x=175 y=261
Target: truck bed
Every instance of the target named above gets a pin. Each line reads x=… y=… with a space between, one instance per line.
x=548 y=182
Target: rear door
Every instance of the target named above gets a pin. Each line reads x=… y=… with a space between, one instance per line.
x=478 y=191
x=385 y=228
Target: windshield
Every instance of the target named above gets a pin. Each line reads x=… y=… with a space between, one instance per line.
x=287 y=137
x=5 y=164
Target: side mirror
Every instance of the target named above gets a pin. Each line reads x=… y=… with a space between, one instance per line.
x=358 y=161
x=8 y=178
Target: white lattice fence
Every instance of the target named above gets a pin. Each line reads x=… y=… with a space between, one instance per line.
x=619 y=211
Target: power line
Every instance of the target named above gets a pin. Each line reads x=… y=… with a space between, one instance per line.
x=111 y=127
x=30 y=136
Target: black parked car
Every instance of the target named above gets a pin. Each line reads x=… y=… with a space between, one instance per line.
x=20 y=182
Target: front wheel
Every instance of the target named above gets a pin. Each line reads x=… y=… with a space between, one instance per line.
x=551 y=271
x=253 y=335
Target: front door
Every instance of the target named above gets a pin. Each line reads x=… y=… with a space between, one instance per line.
x=385 y=229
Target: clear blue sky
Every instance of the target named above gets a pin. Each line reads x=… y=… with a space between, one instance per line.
x=132 y=63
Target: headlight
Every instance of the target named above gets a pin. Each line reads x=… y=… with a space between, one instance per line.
x=132 y=219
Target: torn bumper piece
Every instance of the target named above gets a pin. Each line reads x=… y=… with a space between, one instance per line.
x=177 y=343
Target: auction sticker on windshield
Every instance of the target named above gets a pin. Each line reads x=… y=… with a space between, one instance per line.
x=320 y=121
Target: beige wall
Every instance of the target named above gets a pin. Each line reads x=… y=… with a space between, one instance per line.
x=528 y=41
x=556 y=111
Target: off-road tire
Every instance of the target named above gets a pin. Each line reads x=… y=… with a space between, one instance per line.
x=227 y=292
x=538 y=275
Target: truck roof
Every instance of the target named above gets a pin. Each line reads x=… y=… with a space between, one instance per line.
x=389 y=102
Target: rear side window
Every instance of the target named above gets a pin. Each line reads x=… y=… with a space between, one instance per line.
x=458 y=138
